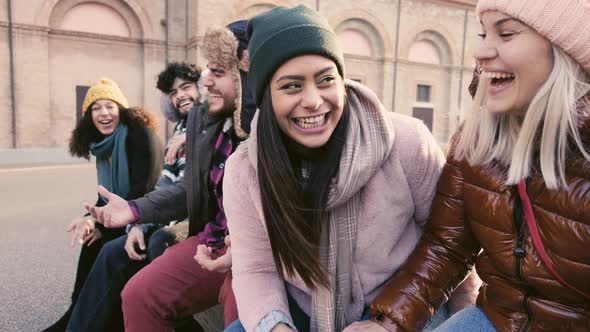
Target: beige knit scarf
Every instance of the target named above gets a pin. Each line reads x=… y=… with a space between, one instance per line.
x=368 y=143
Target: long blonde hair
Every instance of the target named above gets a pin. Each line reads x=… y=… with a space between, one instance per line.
x=557 y=109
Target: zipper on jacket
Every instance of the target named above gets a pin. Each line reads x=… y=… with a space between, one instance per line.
x=521 y=229
x=519 y=251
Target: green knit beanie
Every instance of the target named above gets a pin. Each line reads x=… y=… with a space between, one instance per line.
x=284 y=33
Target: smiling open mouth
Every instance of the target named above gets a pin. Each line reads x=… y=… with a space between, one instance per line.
x=184 y=103
x=105 y=122
x=498 y=79
x=312 y=121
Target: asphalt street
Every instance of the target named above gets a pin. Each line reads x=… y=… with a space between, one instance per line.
x=37 y=266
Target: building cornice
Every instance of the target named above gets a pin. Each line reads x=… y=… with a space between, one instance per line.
x=90 y=35
x=435 y=66
x=20 y=27
x=25 y=27
x=464 y=4
x=87 y=36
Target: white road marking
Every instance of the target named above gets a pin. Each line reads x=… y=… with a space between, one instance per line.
x=43 y=168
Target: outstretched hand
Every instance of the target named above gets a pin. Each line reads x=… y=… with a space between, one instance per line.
x=83 y=231
x=116 y=213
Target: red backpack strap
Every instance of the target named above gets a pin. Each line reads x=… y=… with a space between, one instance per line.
x=534 y=230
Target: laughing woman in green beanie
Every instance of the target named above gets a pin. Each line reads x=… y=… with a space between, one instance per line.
x=128 y=162
x=328 y=196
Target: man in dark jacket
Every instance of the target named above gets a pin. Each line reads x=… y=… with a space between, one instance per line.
x=174 y=286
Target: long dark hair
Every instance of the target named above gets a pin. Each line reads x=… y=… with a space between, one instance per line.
x=85 y=131
x=295 y=214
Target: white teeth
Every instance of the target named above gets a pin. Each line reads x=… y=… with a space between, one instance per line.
x=498 y=75
x=311 y=122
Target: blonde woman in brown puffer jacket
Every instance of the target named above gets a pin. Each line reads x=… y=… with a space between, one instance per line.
x=527 y=138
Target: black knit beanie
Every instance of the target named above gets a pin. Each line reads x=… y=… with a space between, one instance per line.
x=284 y=33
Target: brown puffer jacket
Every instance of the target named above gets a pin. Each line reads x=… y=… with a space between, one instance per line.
x=474 y=210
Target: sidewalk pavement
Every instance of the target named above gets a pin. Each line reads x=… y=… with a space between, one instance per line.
x=31 y=157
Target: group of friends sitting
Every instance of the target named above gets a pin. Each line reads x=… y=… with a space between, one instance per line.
x=293 y=197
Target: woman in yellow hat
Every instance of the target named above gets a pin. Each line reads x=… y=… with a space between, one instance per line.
x=128 y=161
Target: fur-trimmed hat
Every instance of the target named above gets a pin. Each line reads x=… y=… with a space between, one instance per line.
x=228 y=46
x=104 y=88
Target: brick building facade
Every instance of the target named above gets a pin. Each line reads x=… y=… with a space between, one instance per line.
x=415 y=54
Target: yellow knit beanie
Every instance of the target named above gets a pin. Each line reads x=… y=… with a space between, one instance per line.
x=104 y=88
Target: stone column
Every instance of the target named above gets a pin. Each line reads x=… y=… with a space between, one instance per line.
x=153 y=64
x=5 y=104
x=31 y=72
x=387 y=94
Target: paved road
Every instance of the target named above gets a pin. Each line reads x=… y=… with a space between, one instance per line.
x=37 y=267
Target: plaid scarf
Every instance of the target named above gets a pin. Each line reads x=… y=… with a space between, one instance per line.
x=215 y=231
x=368 y=143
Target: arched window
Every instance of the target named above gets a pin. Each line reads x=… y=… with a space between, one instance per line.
x=424 y=52
x=254 y=10
x=95 y=18
x=354 y=42
x=431 y=47
x=359 y=37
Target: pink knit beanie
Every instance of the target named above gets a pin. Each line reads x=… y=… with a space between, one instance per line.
x=566 y=23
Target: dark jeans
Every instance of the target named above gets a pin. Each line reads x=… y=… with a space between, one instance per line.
x=88 y=255
x=301 y=319
x=98 y=307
